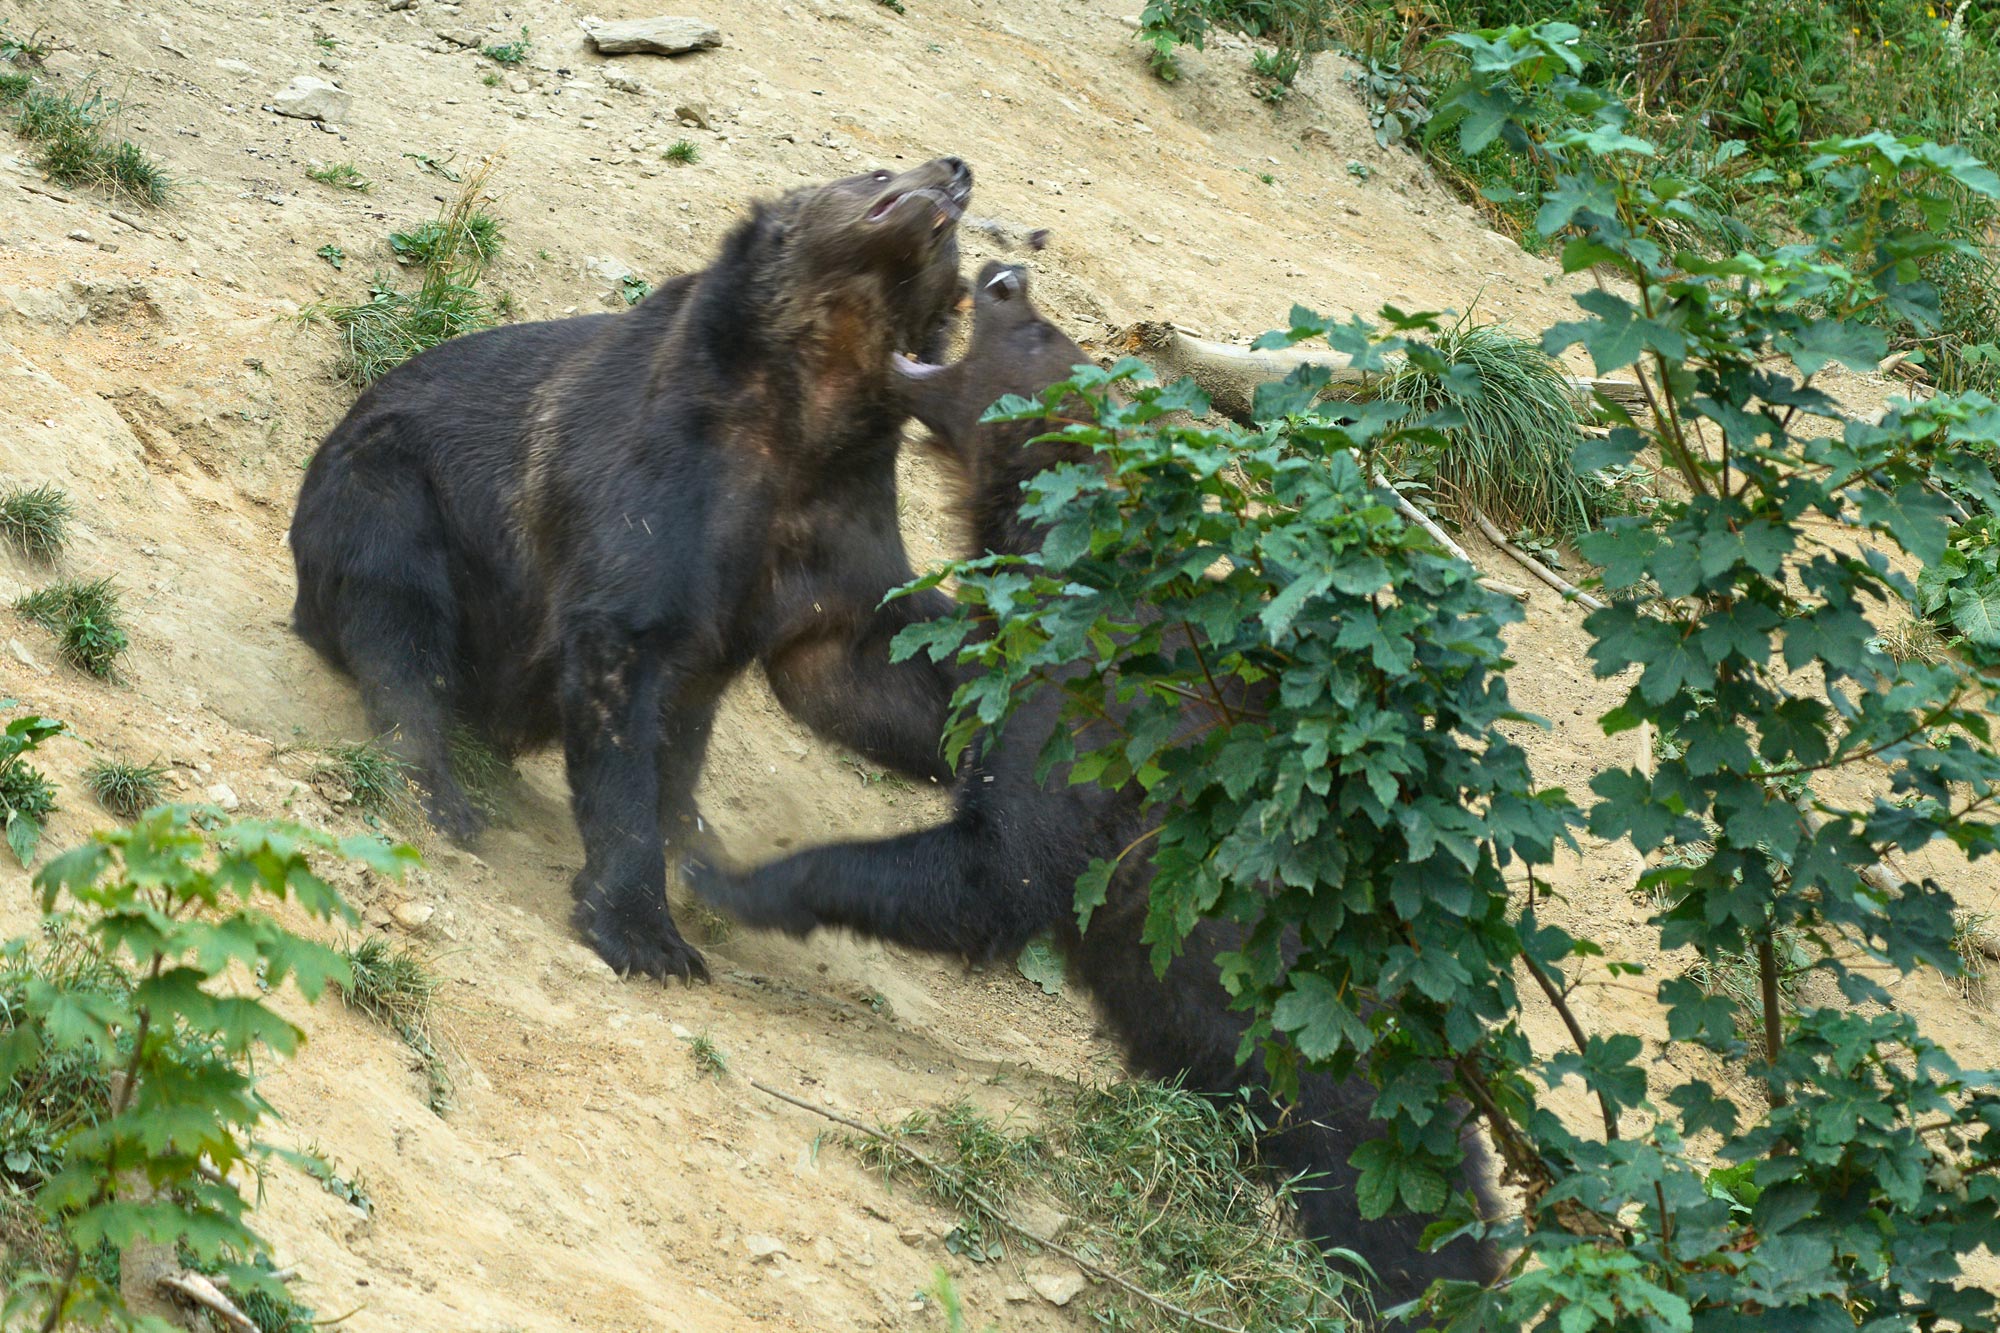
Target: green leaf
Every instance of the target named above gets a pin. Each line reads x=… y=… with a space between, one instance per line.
x=1975 y=612
x=24 y=833
x=1040 y=963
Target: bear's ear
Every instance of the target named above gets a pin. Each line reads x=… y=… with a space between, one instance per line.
x=1008 y=284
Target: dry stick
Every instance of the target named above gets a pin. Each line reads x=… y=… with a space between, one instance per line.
x=197 y=1288
x=994 y=1211
x=46 y=194
x=1443 y=538
x=1541 y=571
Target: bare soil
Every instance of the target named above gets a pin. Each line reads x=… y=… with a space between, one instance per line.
x=156 y=365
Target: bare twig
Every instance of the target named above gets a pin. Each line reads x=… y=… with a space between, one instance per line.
x=1575 y=1030
x=994 y=1211
x=1443 y=538
x=195 y=1287
x=56 y=195
x=131 y=222
x=1541 y=571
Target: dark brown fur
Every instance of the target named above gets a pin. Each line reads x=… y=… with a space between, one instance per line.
x=586 y=528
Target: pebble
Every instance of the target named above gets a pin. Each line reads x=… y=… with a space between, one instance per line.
x=763 y=1249
x=220 y=794
x=624 y=83
x=693 y=113
x=80 y=235
x=463 y=36
x=664 y=36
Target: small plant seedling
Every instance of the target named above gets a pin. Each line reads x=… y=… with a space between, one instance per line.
x=36 y=519
x=1359 y=170
x=1267 y=178
x=27 y=798
x=634 y=288
x=510 y=53
x=126 y=790
x=29 y=50
x=505 y=306
x=351 y=1191
x=326 y=41
x=893 y=6
x=14 y=85
x=707 y=1058
x=85 y=619
x=333 y=255
x=435 y=167
x=682 y=153
x=490 y=79
x=340 y=175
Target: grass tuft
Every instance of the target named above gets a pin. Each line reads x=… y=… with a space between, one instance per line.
x=392 y=326
x=85 y=619
x=341 y=176
x=74 y=151
x=484 y=772
x=126 y=790
x=682 y=153
x=1156 y=1182
x=1975 y=938
x=376 y=780
x=1511 y=458
x=36 y=519
x=14 y=85
x=396 y=986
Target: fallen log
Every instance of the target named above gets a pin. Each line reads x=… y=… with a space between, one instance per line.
x=1229 y=374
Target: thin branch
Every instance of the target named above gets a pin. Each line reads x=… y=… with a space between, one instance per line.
x=1562 y=1008
x=993 y=1210
x=202 y=1291
x=1541 y=571
x=1444 y=539
x=1774 y=1022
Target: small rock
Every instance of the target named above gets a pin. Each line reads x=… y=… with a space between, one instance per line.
x=518 y=83
x=412 y=916
x=1149 y=238
x=624 y=83
x=763 y=1249
x=1016 y=1294
x=609 y=269
x=308 y=98
x=663 y=36
x=910 y=1236
x=693 y=113
x=1057 y=1288
x=236 y=66
x=395 y=5
x=220 y=794
x=80 y=235
x=376 y=917
x=1042 y=1218
x=21 y=653
x=471 y=37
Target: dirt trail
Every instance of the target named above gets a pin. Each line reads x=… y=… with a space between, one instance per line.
x=589 y=1176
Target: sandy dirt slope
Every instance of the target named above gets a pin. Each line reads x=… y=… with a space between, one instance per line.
x=589 y=1176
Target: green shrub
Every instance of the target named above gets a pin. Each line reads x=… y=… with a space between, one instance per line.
x=128 y=1049
x=510 y=53
x=27 y=798
x=341 y=176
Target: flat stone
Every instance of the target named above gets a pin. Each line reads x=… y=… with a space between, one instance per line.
x=664 y=36
x=308 y=98
x=623 y=82
x=1057 y=1288
x=763 y=1249
x=412 y=916
x=221 y=795
x=471 y=37
x=693 y=113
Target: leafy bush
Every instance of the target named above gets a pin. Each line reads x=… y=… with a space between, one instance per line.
x=27 y=798
x=127 y=1006
x=1324 y=742
x=1962 y=587
x=510 y=53
x=1298 y=29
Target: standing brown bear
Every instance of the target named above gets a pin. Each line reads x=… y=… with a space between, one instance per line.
x=587 y=527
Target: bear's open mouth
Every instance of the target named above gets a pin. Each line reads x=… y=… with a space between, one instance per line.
x=947 y=205
x=909 y=367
